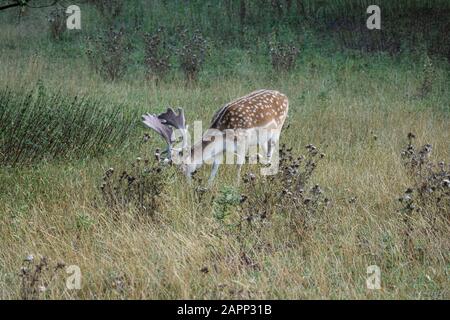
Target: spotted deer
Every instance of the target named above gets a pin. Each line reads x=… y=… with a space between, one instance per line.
x=249 y=122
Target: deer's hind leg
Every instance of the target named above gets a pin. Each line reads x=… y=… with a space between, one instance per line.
x=272 y=144
x=215 y=168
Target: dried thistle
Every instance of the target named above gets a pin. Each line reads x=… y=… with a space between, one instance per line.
x=57 y=22
x=139 y=187
x=157 y=56
x=108 y=54
x=430 y=192
x=283 y=55
x=37 y=276
x=192 y=53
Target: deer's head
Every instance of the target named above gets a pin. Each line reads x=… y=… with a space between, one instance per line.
x=171 y=126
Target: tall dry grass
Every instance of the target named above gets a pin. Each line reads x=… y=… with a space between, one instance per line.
x=358 y=117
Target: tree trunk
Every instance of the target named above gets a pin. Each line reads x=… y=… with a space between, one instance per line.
x=300 y=9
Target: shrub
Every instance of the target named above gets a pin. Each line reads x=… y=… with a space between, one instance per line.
x=286 y=201
x=283 y=55
x=38 y=124
x=37 y=276
x=405 y=26
x=429 y=75
x=291 y=192
x=355 y=35
x=430 y=191
x=139 y=187
x=108 y=54
x=109 y=9
x=225 y=203
x=57 y=22
x=192 y=53
x=157 y=56
x=425 y=205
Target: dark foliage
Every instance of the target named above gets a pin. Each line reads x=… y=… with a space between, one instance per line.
x=38 y=124
x=430 y=192
x=57 y=23
x=157 y=55
x=108 y=54
x=283 y=55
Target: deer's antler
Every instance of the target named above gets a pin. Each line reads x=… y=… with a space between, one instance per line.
x=170 y=118
x=155 y=123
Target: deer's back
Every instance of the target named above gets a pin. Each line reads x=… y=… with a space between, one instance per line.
x=257 y=109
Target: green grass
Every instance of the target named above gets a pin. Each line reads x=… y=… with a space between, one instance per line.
x=355 y=107
x=38 y=125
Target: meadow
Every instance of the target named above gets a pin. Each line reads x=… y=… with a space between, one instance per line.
x=64 y=126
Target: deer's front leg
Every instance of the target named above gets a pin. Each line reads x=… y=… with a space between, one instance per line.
x=271 y=144
x=215 y=168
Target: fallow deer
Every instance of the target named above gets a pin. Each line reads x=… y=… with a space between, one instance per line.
x=252 y=120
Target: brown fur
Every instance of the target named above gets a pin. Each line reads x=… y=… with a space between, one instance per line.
x=256 y=109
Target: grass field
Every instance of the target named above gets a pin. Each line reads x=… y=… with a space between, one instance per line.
x=355 y=108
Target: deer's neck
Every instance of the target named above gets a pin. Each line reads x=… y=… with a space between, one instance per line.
x=210 y=147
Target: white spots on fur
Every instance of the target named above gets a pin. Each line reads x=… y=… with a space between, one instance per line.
x=254 y=110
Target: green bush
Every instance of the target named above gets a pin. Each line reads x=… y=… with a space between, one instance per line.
x=109 y=54
x=36 y=124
